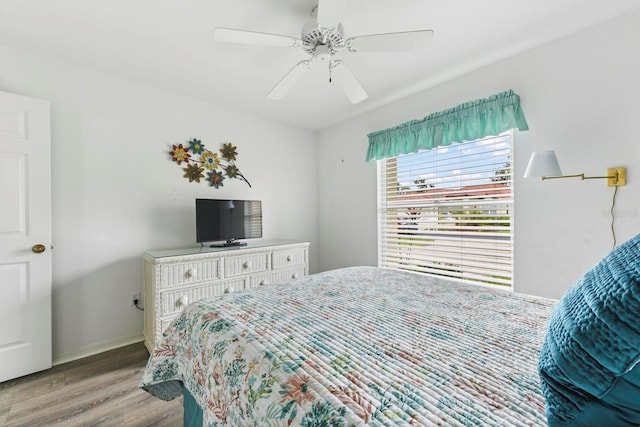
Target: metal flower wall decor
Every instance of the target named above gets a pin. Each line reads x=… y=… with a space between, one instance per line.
x=199 y=161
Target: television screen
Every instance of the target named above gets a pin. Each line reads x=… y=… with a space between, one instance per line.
x=228 y=220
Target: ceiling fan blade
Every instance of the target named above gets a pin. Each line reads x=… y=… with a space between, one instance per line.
x=330 y=12
x=289 y=79
x=391 y=42
x=230 y=35
x=348 y=82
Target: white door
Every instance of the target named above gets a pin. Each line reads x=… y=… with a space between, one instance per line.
x=25 y=223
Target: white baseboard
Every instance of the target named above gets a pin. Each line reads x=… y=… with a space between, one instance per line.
x=99 y=347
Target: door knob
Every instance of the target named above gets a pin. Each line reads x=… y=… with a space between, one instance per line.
x=38 y=248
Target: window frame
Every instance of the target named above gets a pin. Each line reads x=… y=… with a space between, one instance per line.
x=383 y=209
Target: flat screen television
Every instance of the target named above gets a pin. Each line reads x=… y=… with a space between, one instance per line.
x=228 y=221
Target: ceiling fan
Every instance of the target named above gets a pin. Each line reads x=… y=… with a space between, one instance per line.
x=322 y=37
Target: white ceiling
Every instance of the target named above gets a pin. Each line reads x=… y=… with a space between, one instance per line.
x=169 y=44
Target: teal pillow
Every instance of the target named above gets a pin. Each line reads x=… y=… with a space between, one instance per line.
x=589 y=363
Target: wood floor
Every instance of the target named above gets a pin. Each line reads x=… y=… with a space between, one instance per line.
x=101 y=390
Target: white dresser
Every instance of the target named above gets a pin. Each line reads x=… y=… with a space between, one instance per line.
x=174 y=278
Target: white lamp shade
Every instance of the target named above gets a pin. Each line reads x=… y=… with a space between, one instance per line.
x=542 y=163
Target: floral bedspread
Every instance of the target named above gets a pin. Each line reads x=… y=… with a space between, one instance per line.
x=358 y=346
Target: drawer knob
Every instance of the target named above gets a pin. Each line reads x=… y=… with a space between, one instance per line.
x=192 y=272
x=294 y=276
x=183 y=300
x=247 y=265
x=227 y=290
x=288 y=258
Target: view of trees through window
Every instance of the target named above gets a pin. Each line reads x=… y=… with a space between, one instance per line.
x=448 y=211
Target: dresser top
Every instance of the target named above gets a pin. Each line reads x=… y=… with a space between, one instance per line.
x=251 y=244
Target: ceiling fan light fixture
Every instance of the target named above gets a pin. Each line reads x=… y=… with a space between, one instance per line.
x=322 y=37
x=323 y=53
x=312 y=36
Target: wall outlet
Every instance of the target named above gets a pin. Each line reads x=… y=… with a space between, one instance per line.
x=134 y=298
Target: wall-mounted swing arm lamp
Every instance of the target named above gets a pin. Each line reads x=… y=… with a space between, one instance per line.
x=544 y=165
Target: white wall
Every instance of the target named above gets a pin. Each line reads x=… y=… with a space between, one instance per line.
x=581 y=96
x=347 y=198
x=116 y=193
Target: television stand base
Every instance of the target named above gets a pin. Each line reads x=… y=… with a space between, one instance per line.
x=228 y=243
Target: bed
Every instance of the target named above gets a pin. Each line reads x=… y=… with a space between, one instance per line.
x=356 y=346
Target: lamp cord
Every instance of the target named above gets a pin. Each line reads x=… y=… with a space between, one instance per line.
x=613 y=218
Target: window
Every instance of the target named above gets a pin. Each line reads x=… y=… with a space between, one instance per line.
x=449 y=211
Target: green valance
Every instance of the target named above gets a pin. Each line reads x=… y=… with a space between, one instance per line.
x=466 y=122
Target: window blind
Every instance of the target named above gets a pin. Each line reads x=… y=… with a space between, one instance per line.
x=449 y=211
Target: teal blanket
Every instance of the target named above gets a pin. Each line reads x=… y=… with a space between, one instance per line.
x=588 y=365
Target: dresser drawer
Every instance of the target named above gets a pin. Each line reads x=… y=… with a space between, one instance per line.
x=174 y=301
x=189 y=272
x=289 y=258
x=276 y=277
x=164 y=324
x=245 y=264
